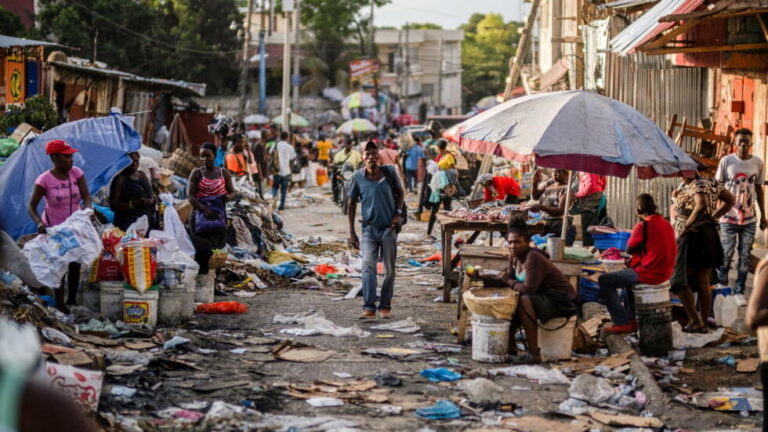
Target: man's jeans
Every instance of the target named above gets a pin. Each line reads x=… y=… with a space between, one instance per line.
x=281 y=182
x=410 y=179
x=729 y=235
x=609 y=283
x=378 y=243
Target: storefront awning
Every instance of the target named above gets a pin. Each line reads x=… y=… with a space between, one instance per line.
x=10 y=41
x=648 y=26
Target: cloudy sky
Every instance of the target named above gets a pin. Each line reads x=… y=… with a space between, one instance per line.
x=447 y=13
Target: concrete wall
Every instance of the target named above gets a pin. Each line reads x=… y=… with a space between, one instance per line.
x=309 y=107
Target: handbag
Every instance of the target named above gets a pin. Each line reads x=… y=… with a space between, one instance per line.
x=204 y=224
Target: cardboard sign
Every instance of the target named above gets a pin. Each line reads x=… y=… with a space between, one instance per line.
x=14 y=79
x=83 y=386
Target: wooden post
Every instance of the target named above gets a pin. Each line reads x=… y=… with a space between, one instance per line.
x=516 y=62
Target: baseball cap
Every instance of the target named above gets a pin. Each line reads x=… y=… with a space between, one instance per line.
x=59 y=147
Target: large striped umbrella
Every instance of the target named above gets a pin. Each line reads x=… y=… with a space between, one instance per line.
x=356 y=125
x=295 y=121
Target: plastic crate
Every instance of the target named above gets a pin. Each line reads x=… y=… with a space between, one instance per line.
x=606 y=241
x=589 y=291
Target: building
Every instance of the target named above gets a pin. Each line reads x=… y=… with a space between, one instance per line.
x=424 y=66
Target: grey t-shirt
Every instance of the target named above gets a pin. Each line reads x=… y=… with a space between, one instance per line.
x=740 y=177
x=377 y=199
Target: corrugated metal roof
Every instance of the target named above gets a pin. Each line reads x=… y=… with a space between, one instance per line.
x=648 y=26
x=10 y=41
x=195 y=89
x=622 y=4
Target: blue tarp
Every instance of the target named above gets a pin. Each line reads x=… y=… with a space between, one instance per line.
x=104 y=144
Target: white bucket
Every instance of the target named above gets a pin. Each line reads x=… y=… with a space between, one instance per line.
x=556 y=344
x=204 y=286
x=651 y=294
x=188 y=301
x=140 y=308
x=171 y=306
x=88 y=296
x=490 y=340
x=111 y=300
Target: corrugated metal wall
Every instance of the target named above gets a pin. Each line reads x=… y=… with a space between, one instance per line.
x=653 y=86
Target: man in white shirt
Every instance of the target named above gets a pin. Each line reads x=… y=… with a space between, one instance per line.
x=742 y=174
x=285 y=154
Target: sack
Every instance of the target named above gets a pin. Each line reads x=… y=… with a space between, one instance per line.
x=204 y=224
x=139 y=262
x=394 y=184
x=106 y=268
x=182 y=163
x=274 y=161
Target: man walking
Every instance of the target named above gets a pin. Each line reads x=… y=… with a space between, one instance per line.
x=284 y=153
x=742 y=174
x=413 y=157
x=346 y=155
x=378 y=189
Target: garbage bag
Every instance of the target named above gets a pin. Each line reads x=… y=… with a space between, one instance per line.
x=172 y=225
x=230 y=307
x=8 y=146
x=440 y=374
x=441 y=410
x=288 y=269
x=74 y=240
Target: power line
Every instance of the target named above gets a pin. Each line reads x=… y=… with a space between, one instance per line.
x=150 y=39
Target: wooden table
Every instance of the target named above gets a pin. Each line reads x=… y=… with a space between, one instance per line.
x=449 y=226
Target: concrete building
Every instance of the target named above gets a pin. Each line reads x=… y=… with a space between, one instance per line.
x=433 y=75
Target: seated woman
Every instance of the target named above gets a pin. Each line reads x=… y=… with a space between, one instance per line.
x=131 y=196
x=545 y=293
x=499 y=188
x=209 y=189
x=551 y=196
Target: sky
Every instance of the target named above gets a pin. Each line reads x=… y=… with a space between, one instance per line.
x=447 y=13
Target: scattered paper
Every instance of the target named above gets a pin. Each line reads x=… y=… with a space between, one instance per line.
x=322 y=402
x=403 y=326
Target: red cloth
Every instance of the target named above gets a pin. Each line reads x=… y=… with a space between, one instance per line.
x=655 y=266
x=590 y=184
x=503 y=186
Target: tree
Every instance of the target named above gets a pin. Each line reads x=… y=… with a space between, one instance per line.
x=422 y=26
x=488 y=44
x=10 y=24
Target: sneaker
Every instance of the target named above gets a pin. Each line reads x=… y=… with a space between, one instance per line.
x=367 y=315
x=629 y=327
x=385 y=313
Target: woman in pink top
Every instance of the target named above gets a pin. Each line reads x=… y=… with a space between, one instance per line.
x=62 y=188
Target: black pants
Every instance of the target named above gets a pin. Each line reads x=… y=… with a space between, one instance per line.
x=72 y=282
x=435 y=208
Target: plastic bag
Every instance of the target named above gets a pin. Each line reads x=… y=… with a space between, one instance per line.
x=173 y=226
x=8 y=146
x=106 y=268
x=74 y=240
x=83 y=386
x=288 y=269
x=441 y=410
x=324 y=269
x=230 y=307
x=139 y=228
x=139 y=263
x=107 y=212
x=440 y=374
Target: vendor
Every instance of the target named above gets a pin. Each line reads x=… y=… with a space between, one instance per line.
x=545 y=293
x=551 y=196
x=505 y=188
x=131 y=196
x=62 y=188
x=209 y=189
x=590 y=203
x=237 y=160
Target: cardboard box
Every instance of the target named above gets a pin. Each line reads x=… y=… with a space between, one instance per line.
x=83 y=386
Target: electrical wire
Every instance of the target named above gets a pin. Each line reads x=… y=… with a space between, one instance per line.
x=150 y=39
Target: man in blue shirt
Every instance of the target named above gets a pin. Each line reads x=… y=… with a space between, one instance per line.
x=412 y=157
x=378 y=190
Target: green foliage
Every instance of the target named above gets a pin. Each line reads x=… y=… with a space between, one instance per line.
x=10 y=24
x=423 y=26
x=178 y=39
x=488 y=44
x=36 y=111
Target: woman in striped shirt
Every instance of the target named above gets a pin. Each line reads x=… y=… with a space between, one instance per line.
x=209 y=189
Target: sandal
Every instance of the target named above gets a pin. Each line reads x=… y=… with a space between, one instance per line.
x=696 y=328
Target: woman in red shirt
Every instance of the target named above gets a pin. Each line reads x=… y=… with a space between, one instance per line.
x=654 y=249
x=506 y=188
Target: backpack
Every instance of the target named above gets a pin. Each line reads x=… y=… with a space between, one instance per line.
x=274 y=161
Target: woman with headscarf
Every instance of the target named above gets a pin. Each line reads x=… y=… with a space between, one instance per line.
x=62 y=188
x=700 y=203
x=131 y=197
x=209 y=189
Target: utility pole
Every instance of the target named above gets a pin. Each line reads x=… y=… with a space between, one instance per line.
x=516 y=62
x=296 y=78
x=246 y=61
x=440 y=78
x=372 y=49
x=263 y=61
x=287 y=9
x=407 y=67
x=399 y=70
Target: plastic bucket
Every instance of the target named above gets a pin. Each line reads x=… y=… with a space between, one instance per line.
x=89 y=296
x=490 y=339
x=111 y=300
x=204 y=286
x=556 y=338
x=140 y=308
x=556 y=248
x=188 y=301
x=651 y=294
x=171 y=306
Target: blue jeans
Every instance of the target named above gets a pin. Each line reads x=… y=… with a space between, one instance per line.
x=729 y=235
x=282 y=182
x=410 y=179
x=609 y=283
x=378 y=243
